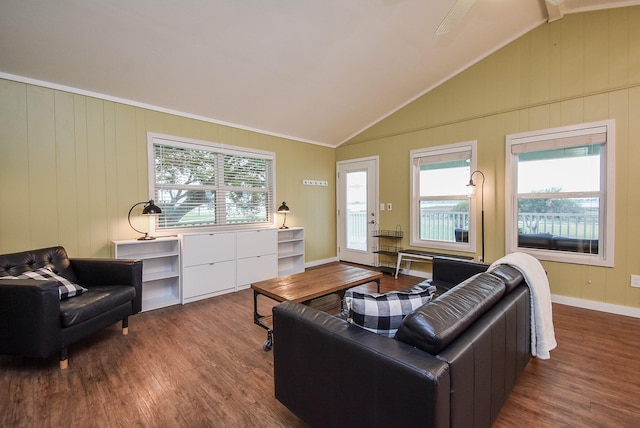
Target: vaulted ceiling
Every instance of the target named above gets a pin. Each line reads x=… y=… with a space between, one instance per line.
x=318 y=71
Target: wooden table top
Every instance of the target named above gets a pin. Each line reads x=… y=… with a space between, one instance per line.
x=316 y=282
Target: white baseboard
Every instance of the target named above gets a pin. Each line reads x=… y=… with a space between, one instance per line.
x=597 y=306
x=320 y=262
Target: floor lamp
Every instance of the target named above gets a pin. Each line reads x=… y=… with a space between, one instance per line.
x=472 y=187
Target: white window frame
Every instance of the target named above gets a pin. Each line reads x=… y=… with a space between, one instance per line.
x=189 y=143
x=607 y=202
x=414 y=208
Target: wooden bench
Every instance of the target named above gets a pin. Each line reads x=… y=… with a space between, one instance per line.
x=421 y=256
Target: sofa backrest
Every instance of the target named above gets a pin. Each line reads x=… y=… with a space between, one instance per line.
x=436 y=324
x=448 y=270
x=15 y=264
x=511 y=276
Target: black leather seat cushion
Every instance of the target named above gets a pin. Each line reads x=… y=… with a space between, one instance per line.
x=95 y=301
x=436 y=324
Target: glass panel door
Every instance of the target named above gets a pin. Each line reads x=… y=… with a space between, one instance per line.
x=357 y=209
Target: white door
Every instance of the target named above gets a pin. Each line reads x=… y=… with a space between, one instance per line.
x=357 y=203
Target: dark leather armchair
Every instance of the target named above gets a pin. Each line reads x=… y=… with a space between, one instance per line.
x=34 y=322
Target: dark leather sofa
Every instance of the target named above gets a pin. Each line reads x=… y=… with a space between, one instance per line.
x=34 y=322
x=453 y=361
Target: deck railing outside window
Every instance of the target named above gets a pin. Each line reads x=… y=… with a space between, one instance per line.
x=357 y=230
x=440 y=225
x=578 y=226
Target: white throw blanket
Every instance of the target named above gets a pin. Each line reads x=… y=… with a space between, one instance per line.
x=543 y=337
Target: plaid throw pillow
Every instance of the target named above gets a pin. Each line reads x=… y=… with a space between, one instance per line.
x=66 y=288
x=383 y=313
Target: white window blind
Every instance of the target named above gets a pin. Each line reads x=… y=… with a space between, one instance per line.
x=438 y=157
x=584 y=137
x=200 y=185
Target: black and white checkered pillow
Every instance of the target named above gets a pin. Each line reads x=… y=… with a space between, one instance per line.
x=383 y=313
x=66 y=288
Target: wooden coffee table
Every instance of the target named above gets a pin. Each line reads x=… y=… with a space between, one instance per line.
x=306 y=286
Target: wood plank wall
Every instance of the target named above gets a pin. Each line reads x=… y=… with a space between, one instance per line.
x=71 y=167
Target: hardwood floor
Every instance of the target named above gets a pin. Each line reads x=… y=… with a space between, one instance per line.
x=591 y=380
x=202 y=365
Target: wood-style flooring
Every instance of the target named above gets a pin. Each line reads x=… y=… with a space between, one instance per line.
x=202 y=365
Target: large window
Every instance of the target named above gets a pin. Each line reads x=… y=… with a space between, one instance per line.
x=199 y=184
x=561 y=193
x=441 y=216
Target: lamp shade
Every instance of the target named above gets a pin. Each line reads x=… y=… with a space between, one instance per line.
x=471 y=188
x=151 y=208
x=283 y=209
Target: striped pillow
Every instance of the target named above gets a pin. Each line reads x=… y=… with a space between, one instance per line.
x=66 y=288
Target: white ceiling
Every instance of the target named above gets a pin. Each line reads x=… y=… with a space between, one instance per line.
x=318 y=71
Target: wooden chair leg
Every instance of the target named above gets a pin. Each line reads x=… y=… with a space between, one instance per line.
x=125 y=326
x=64 y=359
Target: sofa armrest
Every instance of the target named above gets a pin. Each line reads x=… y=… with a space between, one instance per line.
x=332 y=373
x=454 y=271
x=487 y=360
x=29 y=317
x=105 y=272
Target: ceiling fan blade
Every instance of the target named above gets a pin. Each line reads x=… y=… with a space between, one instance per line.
x=455 y=15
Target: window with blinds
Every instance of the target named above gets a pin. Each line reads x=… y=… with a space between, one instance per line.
x=441 y=215
x=561 y=193
x=198 y=184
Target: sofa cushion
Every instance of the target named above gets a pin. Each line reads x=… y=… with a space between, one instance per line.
x=419 y=287
x=25 y=261
x=449 y=270
x=96 y=301
x=383 y=313
x=434 y=325
x=511 y=276
x=66 y=288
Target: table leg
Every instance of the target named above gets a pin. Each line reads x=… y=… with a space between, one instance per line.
x=257 y=318
x=398 y=262
x=256 y=315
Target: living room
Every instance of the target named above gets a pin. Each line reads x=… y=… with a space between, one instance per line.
x=72 y=164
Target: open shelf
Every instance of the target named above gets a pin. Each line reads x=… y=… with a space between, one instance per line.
x=290 y=251
x=160 y=269
x=387 y=249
